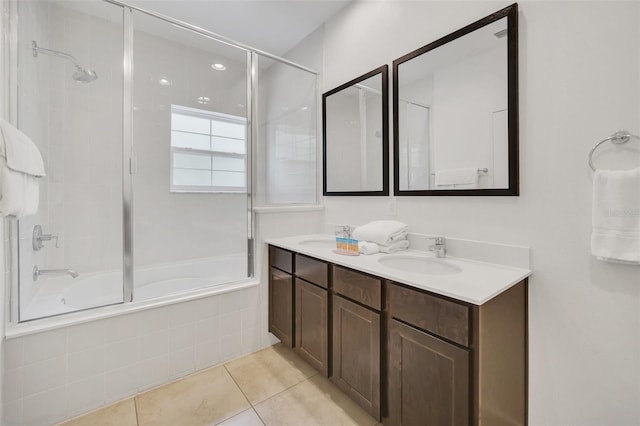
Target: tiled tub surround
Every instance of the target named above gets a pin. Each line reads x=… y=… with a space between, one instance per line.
x=478 y=282
x=54 y=375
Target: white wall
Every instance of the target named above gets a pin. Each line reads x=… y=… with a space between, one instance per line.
x=579 y=68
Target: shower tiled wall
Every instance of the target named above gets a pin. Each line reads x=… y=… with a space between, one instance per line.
x=59 y=374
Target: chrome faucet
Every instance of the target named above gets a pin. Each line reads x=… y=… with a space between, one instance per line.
x=439 y=246
x=37 y=272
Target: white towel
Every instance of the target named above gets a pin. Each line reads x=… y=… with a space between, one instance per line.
x=366 y=247
x=397 y=246
x=467 y=177
x=382 y=232
x=616 y=215
x=21 y=153
x=19 y=192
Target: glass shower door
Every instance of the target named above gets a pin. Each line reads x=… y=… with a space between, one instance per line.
x=190 y=142
x=70 y=97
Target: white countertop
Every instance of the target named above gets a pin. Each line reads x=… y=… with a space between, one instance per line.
x=478 y=282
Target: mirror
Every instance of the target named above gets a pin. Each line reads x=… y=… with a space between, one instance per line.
x=455 y=112
x=355 y=136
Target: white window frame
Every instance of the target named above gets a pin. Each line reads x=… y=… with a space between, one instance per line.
x=213 y=116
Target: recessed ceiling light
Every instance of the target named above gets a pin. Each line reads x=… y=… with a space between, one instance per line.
x=304 y=108
x=203 y=100
x=240 y=105
x=218 y=67
x=164 y=81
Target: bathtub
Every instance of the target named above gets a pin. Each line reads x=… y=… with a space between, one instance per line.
x=58 y=295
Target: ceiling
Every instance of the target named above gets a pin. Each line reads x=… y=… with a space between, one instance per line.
x=274 y=26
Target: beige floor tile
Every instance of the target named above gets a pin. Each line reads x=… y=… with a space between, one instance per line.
x=313 y=402
x=246 y=418
x=204 y=398
x=268 y=372
x=118 y=414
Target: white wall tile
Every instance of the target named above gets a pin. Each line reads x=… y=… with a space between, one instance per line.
x=182 y=337
x=153 y=345
x=153 y=372
x=152 y=320
x=46 y=407
x=231 y=302
x=43 y=375
x=208 y=329
x=120 y=383
x=85 y=394
x=181 y=313
x=122 y=327
x=230 y=346
x=45 y=345
x=87 y=335
x=12 y=413
x=84 y=364
x=230 y=324
x=206 y=307
x=13 y=353
x=120 y=354
x=182 y=362
x=12 y=383
x=208 y=353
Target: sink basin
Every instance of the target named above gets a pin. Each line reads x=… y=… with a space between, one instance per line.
x=319 y=243
x=420 y=265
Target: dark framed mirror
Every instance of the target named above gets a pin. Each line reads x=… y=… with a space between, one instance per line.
x=355 y=144
x=455 y=112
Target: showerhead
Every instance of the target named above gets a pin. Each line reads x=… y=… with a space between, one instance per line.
x=84 y=75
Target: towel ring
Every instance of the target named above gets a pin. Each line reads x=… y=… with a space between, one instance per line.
x=618 y=138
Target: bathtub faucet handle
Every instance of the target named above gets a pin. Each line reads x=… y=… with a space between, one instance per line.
x=38 y=237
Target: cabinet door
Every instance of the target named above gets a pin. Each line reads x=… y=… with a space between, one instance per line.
x=281 y=305
x=428 y=379
x=356 y=353
x=311 y=325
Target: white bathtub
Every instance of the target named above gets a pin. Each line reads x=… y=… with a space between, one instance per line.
x=63 y=294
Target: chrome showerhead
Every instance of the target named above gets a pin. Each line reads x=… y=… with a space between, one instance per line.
x=84 y=75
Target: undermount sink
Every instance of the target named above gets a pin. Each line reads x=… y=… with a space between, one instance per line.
x=319 y=243
x=420 y=265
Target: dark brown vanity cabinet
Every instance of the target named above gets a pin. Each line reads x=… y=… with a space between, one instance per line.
x=356 y=337
x=311 y=312
x=451 y=363
x=281 y=295
x=407 y=356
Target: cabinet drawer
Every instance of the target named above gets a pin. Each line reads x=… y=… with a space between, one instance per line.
x=357 y=286
x=312 y=270
x=431 y=313
x=281 y=259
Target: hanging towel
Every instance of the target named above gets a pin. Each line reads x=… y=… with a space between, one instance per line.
x=616 y=215
x=21 y=166
x=382 y=232
x=21 y=153
x=397 y=246
x=467 y=177
x=366 y=247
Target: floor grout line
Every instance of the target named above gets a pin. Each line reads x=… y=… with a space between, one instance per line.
x=135 y=408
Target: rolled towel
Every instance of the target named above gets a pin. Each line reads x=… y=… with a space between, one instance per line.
x=367 y=247
x=19 y=192
x=383 y=232
x=397 y=246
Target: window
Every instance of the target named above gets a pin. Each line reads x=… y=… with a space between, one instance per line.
x=208 y=151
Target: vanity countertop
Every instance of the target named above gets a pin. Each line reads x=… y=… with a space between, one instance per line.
x=477 y=283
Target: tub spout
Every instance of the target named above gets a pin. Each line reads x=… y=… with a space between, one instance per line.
x=37 y=272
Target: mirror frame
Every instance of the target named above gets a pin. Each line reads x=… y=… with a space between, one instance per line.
x=384 y=71
x=511 y=13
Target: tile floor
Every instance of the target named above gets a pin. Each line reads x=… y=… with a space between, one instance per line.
x=270 y=387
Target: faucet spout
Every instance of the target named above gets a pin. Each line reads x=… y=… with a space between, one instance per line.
x=37 y=272
x=439 y=246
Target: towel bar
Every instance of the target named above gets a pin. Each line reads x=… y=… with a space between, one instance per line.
x=618 y=138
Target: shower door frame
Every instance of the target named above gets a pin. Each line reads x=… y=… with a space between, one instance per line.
x=129 y=162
